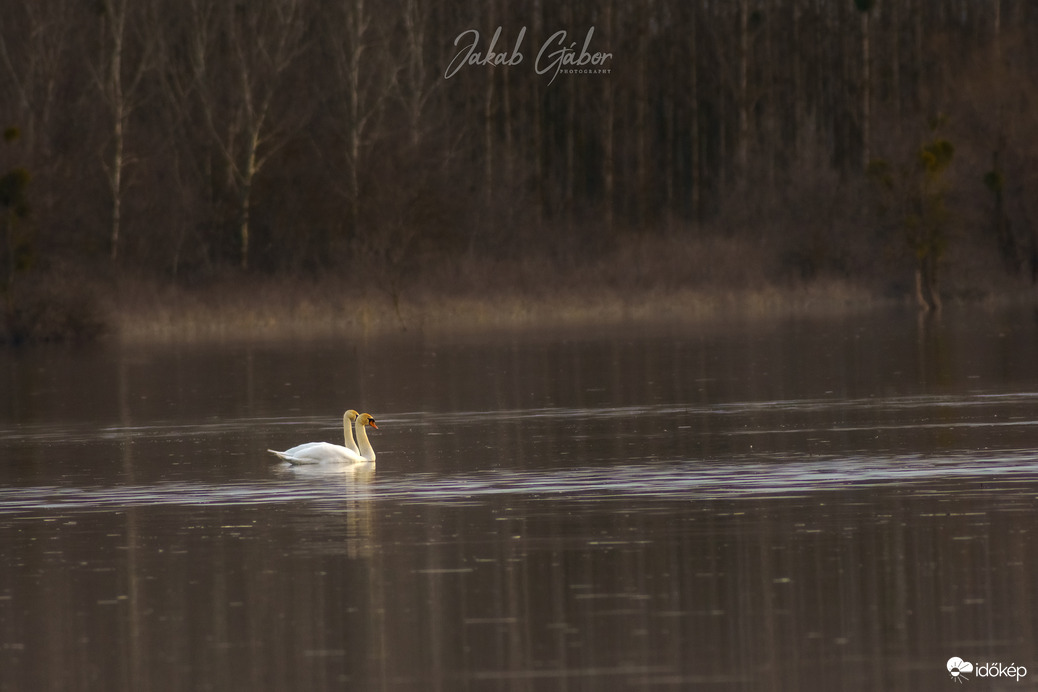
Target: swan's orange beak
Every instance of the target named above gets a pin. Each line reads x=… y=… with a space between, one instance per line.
x=372 y=424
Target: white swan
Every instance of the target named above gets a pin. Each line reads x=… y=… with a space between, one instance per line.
x=347 y=429
x=323 y=452
x=347 y=432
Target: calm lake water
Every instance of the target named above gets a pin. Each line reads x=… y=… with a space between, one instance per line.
x=838 y=504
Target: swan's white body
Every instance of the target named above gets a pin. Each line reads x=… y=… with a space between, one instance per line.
x=325 y=452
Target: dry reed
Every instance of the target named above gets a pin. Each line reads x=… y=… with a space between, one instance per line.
x=648 y=279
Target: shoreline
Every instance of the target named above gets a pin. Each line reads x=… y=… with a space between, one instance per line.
x=133 y=308
x=267 y=313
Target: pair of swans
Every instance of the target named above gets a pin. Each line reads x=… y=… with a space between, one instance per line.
x=358 y=452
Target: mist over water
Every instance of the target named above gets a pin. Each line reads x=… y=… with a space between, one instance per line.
x=803 y=504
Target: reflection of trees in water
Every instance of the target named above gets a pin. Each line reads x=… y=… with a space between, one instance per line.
x=536 y=590
x=350 y=524
x=340 y=566
x=524 y=591
x=826 y=590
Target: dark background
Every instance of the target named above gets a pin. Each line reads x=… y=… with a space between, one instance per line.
x=728 y=144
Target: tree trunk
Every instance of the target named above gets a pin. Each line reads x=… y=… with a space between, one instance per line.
x=537 y=117
x=416 y=69
x=927 y=292
x=895 y=64
x=743 y=138
x=797 y=104
x=116 y=182
x=866 y=92
x=641 y=128
x=488 y=139
x=608 y=135
x=248 y=174
x=694 y=115
x=357 y=29
x=117 y=94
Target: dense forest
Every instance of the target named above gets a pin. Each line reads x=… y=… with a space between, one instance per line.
x=889 y=142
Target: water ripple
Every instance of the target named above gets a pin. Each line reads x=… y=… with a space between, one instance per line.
x=46 y=433
x=327 y=488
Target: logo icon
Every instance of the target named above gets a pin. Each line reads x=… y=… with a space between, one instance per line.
x=958 y=668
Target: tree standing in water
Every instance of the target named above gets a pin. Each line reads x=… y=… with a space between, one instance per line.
x=917 y=193
x=926 y=224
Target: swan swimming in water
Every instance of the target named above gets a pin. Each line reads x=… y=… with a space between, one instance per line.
x=348 y=420
x=323 y=452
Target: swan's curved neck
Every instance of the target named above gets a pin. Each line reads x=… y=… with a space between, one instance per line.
x=347 y=434
x=364 y=447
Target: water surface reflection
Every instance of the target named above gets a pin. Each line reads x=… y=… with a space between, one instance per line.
x=801 y=506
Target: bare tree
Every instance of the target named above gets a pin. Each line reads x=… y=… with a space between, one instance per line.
x=864 y=8
x=118 y=76
x=609 y=133
x=364 y=82
x=240 y=95
x=33 y=49
x=743 y=94
x=37 y=40
x=702 y=96
x=169 y=27
x=417 y=88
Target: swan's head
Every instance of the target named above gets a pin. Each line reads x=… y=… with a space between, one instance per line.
x=352 y=415
x=366 y=419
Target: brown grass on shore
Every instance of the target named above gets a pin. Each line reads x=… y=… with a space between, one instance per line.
x=272 y=311
x=654 y=279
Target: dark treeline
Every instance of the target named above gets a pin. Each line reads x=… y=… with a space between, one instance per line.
x=185 y=137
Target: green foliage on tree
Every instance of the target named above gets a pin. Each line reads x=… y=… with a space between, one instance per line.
x=919 y=193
